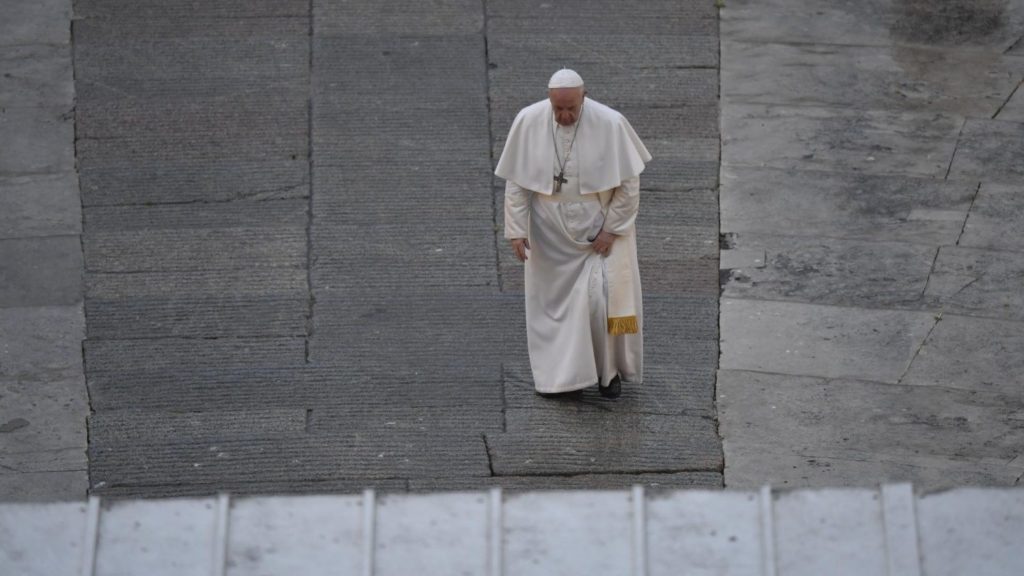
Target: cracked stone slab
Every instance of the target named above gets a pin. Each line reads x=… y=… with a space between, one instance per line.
x=982 y=355
x=40 y=271
x=996 y=214
x=807 y=138
x=833 y=271
x=542 y=442
x=40 y=205
x=1013 y=109
x=39 y=22
x=984 y=23
x=798 y=431
x=968 y=83
x=843 y=205
x=36 y=75
x=815 y=340
x=981 y=283
x=990 y=150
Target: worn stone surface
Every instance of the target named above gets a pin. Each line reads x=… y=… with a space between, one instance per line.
x=995 y=217
x=800 y=431
x=815 y=340
x=40 y=271
x=842 y=205
x=35 y=140
x=41 y=22
x=574 y=482
x=832 y=271
x=980 y=283
x=41 y=205
x=34 y=75
x=990 y=150
x=918 y=78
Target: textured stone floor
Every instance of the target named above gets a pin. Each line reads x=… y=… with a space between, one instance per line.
x=295 y=272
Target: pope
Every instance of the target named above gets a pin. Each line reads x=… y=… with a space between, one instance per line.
x=572 y=191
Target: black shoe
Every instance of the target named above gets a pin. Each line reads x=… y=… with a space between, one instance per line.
x=613 y=389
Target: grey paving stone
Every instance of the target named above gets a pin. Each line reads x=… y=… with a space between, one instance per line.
x=314 y=458
x=353 y=485
x=41 y=205
x=188 y=218
x=270 y=114
x=975 y=354
x=170 y=354
x=675 y=252
x=876 y=22
x=36 y=75
x=245 y=48
x=814 y=340
x=544 y=442
x=620 y=49
x=836 y=205
x=682 y=122
x=36 y=140
x=137 y=428
x=42 y=423
x=36 y=487
x=669 y=388
x=387 y=418
x=41 y=343
x=969 y=83
x=342 y=198
x=582 y=10
x=797 y=431
x=127 y=11
x=994 y=217
x=446 y=18
x=40 y=271
x=833 y=271
x=206 y=317
x=575 y=482
x=174 y=180
x=1013 y=109
x=207 y=249
x=979 y=283
x=990 y=150
x=44 y=22
x=806 y=138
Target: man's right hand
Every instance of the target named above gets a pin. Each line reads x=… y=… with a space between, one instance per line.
x=519 y=248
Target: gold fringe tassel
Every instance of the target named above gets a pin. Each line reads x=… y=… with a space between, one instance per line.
x=623 y=325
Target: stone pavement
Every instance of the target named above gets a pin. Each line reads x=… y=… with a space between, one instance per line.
x=294 y=271
x=43 y=403
x=871 y=198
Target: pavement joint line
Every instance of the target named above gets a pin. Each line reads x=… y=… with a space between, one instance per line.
x=931 y=269
x=311 y=297
x=848 y=171
x=956 y=147
x=880 y=45
x=1008 y=98
x=490 y=138
x=487 y=451
x=924 y=342
x=834 y=379
x=963 y=228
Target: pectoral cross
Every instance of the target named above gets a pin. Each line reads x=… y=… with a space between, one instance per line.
x=559 y=180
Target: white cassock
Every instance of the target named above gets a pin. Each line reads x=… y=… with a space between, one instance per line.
x=583 y=311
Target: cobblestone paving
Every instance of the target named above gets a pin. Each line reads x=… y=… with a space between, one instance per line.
x=295 y=272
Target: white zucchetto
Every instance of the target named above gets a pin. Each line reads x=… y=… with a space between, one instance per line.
x=565 y=78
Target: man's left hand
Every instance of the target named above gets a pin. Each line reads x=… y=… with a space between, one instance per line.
x=602 y=244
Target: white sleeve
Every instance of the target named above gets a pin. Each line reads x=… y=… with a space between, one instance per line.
x=623 y=207
x=517 y=211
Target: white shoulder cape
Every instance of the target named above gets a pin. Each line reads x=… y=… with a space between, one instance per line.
x=608 y=149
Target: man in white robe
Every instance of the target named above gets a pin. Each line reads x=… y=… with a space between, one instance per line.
x=572 y=169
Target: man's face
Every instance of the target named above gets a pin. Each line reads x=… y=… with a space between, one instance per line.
x=567 y=103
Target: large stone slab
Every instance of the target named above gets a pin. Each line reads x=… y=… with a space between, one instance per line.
x=798 y=431
x=71 y=486
x=575 y=482
x=36 y=75
x=1013 y=109
x=990 y=150
x=832 y=271
x=807 y=138
x=154 y=9
x=685 y=258
x=972 y=83
x=41 y=205
x=815 y=340
x=541 y=442
x=42 y=22
x=618 y=50
x=987 y=23
x=982 y=355
x=979 y=283
x=835 y=205
x=407 y=17
x=40 y=271
x=245 y=48
x=587 y=12
x=995 y=217
x=36 y=140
